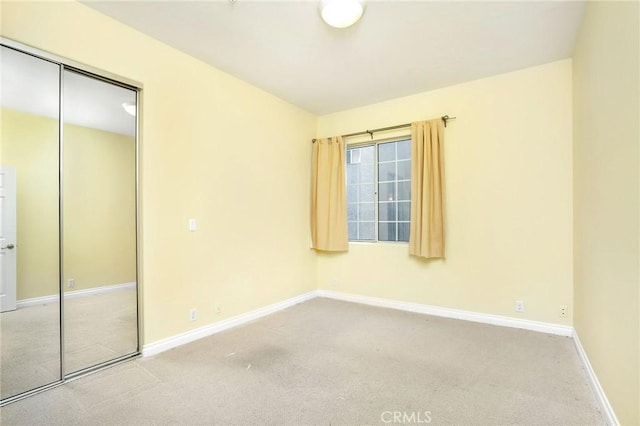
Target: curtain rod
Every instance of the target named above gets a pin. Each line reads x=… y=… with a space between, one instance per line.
x=444 y=118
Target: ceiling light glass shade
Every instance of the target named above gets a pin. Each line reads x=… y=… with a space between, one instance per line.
x=341 y=13
x=130 y=107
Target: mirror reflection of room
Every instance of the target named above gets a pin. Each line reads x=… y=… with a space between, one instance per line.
x=30 y=319
x=99 y=222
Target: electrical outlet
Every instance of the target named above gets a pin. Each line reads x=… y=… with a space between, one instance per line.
x=71 y=283
x=519 y=306
x=563 y=310
x=193 y=314
x=218 y=309
x=334 y=282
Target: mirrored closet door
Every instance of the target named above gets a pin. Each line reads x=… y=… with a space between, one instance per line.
x=99 y=222
x=68 y=231
x=30 y=239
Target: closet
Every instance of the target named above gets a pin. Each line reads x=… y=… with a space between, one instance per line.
x=68 y=228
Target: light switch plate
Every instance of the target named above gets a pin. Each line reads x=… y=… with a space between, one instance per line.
x=192 y=225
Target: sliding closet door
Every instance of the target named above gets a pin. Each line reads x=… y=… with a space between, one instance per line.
x=29 y=204
x=99 y=221
x=68 y=190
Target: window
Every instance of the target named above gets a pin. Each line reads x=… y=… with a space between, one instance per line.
x=379 y=191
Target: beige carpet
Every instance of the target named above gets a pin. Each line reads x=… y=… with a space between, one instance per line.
x=29 y=348
x=98 y=328
x=328 y=362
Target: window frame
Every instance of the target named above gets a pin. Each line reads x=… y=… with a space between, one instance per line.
x=375 y=143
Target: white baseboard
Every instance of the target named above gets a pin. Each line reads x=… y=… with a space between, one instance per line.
x=543 y=327
x=99 y=290
x=610 y=415
x=75 y=293
x=208 y=330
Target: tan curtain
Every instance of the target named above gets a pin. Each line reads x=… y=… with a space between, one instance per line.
x=427 y=196
x=329 y=196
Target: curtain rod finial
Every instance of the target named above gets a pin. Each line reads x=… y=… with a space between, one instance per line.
x=446 y=118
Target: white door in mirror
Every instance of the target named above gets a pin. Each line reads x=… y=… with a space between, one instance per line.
x=8 y=250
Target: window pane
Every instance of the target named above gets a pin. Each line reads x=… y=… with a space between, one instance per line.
x=403 y=232
x=387 y=191
x=387 y=231
x=386 y=171
x=366 y=173
x=366 y=231
x=352 y=173
x=366 y=154
x=366 y=211
x=387 y=151
x=387 y=211
x=404 y=190
x=404 y=149
x=352 y=212
x=404 y=211
x=367 y=193
x=353 y=230
x=352 y=193
x=353 y=156
x=404 y=170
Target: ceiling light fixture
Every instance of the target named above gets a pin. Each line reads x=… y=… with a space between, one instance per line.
x=130 y=107
x=341 y=13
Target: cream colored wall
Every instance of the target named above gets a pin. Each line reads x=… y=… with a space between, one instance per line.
x=99 y=204
x=606 y=201
x=508 y=186
x=213 y=148
x=30 y=144
x=98 y=208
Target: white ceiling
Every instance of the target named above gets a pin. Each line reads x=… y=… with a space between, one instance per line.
x=32 y=85
x=398 y=48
